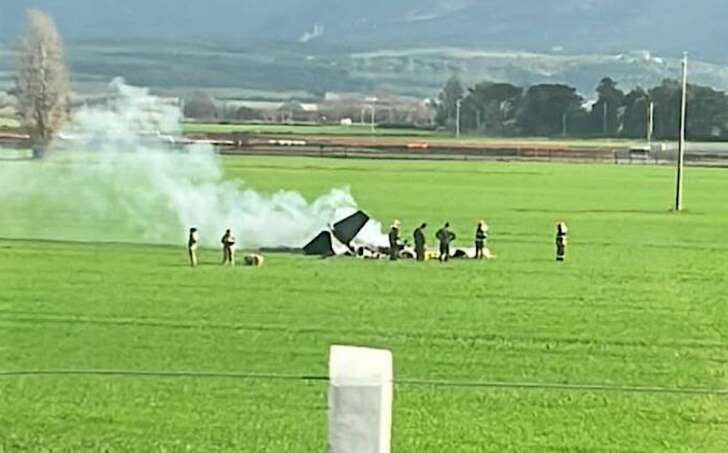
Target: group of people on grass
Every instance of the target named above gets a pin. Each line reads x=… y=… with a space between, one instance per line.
x=445 y=238
x=228 y=247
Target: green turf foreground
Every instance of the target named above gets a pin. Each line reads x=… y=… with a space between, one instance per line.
x=641 y=302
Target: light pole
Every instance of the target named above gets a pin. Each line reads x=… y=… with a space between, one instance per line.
x=374 y=115
x=650 y=121
x=681 y=142
x=458 y=106
x=374 y=111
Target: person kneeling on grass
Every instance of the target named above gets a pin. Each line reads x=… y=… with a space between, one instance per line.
x=254 y=260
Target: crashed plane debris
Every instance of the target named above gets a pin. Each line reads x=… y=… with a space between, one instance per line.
x=341 y=239
x=337 y=240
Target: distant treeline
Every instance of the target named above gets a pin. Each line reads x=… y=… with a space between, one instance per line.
x=503 y=109
x=388 y=112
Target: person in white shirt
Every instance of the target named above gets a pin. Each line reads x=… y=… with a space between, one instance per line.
x=228 y=248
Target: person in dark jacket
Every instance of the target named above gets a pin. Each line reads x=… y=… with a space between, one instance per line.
x=562 y=232
x=420 y=245
x=192 y=241
x=445 y=237
x=481 y=235
x=394 y=241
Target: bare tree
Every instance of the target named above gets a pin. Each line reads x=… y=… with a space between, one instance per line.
x=42 y=83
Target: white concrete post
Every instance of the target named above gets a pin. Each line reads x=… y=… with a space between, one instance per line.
x=360 y=400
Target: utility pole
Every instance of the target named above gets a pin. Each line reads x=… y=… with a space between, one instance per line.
x=373 y=106
x=458 y=106
x=650 y=122
x=606 y=117
x=563 y=123
x=374 y=114
x=681 y=143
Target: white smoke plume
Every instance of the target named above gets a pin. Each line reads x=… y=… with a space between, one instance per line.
x=317 y=32
x=113 y=178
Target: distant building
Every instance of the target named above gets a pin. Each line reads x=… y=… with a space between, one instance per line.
x=299 y=112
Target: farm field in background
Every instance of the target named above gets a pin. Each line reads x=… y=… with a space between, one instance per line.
x=640 y=302
x=358 y=135
x=9 y=123
x=300 y=129
x=398 y=136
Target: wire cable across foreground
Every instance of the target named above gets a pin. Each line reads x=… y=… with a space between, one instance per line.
x=586 y=388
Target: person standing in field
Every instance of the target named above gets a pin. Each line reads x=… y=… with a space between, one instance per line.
x=394 y=241
x=481 y=236
x=445 y=236
x=420 y=246
x=228 y=248
x=192 y=242
x=561 y=235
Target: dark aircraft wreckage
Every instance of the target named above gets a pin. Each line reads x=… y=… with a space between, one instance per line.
x=341 y=239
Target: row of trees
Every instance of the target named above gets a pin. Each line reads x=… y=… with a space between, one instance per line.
x=388 y=111
x=503 y=109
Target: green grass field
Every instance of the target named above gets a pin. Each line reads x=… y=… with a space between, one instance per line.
x=641 y=302
x=13 y=153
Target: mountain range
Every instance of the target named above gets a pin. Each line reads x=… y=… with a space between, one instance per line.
x=571 y=26
x=239 y=47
